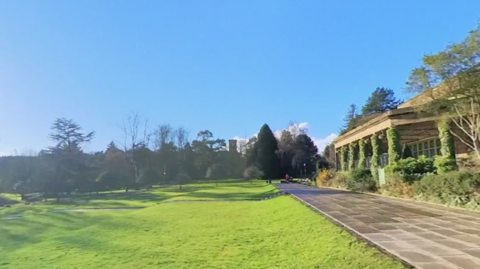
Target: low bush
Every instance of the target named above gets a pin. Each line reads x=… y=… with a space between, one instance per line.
x=324 y=177
x=339 y=180
x=445 y=164
x=396 y=186
x=412 y=169
x=361 y=180
x=452 y=188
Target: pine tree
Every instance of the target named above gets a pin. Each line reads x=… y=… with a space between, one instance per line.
x=350 y=119
x=266 y=147
x=381 y=100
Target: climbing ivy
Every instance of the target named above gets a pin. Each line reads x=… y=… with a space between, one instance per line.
x=394 y=148
x=362 y=152
x=343 y=157
x=375 y=161
x=447 y=162
x=352 y=150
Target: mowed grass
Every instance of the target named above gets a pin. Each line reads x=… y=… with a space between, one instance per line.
x=277 y=233
x=223 y=190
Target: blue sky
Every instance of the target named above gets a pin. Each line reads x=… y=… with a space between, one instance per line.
x=226 y=66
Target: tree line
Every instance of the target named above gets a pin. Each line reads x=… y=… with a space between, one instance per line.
x=144 y=158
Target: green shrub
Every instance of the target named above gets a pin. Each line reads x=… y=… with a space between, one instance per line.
x=396 y=186
x=453 y=188
x=445 y=164
x=412 y=169
x=361 y=180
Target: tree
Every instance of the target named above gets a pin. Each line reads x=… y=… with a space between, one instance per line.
x=450 y=83
x=68 y=135
x=216 y=171
x=110 y=180
x=350 y=119
x=206 y=148
x=148 y=177
x=182 y=179
x=135 y=137
x=286 y=152
x=253 y=172
x=251 y=151
x=381 y=100
x=67 y=157
x=329 y=155
x=267 y=147
x=305 y=154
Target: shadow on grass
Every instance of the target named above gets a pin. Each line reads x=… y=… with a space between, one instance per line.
x=7 y=201
x=35 y=229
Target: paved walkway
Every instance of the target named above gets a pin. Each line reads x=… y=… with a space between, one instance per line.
x=426 y=236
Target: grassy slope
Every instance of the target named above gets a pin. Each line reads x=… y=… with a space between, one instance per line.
x=278 y=233
x=201 y=191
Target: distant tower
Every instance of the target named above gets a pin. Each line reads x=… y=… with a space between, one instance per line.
x=232 y=145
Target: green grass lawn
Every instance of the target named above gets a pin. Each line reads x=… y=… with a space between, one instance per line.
x=277 y=233
x=224 y=190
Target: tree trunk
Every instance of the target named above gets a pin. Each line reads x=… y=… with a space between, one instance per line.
x=22 y=196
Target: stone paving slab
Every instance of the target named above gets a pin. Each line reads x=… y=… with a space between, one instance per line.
x=424 y=235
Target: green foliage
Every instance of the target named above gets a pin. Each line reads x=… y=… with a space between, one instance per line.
x=394 y=148
x=351 y=119
x=375 y=160
x=362 y=152
x=447 y=162
x=352 y=153
x=381 y=100
x=452 y=188
x=267 y=158
x=361 y=180
x=149 y=177
x=451 y=79
x=111 y=180
x=413 y=166
x=344 y=157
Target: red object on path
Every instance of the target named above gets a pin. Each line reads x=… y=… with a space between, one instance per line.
x=287 y=177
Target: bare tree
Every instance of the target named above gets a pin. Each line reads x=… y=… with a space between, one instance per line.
x=164 y=134
x=181 y=135
x=136 y=135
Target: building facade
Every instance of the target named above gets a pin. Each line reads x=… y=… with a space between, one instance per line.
x=418 y=135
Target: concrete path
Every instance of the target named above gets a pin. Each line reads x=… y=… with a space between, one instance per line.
x=426 y=236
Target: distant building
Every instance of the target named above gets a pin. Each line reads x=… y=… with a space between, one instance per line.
x=232 y=145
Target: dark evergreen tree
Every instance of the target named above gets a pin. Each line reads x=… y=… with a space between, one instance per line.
x=350 y=119
x=381 y=100
x=267 y=147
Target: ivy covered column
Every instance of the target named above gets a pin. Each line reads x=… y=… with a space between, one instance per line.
x=362 y=153
x=352 y=149
x=447 y=162
x=375 y=161
x=343 y=158
x=394 y=148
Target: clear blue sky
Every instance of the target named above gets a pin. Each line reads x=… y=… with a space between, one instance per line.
x=226 y=66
